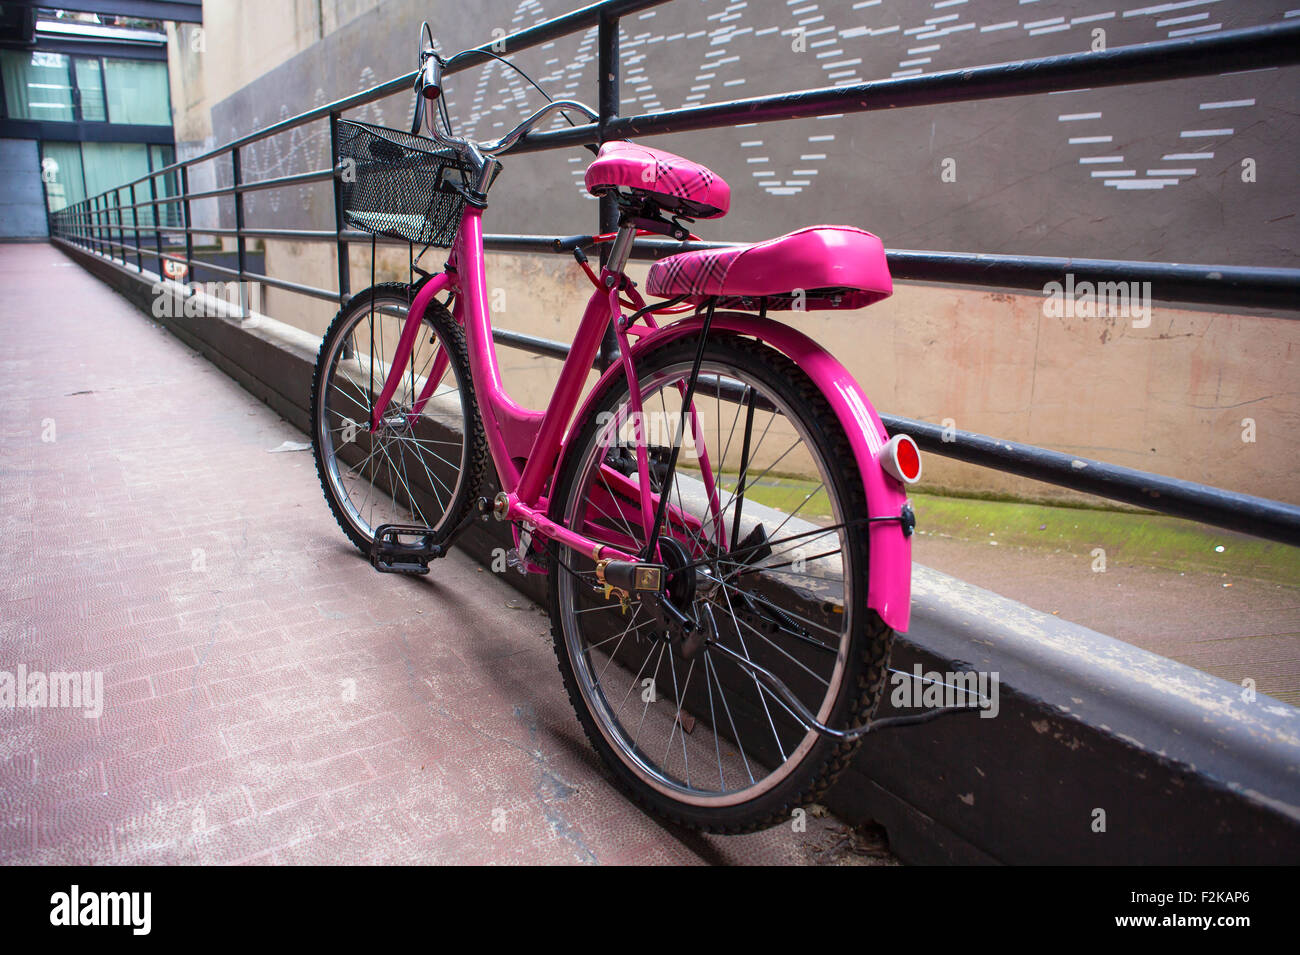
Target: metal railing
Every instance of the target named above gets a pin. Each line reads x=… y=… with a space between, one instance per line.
x=99 y=223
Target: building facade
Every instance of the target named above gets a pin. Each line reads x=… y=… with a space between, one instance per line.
x=85 y=103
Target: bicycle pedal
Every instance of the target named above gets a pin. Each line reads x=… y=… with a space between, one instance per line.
x=389 y=554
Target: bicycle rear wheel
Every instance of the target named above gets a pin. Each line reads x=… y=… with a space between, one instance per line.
x=771 y=563
x=417 y=467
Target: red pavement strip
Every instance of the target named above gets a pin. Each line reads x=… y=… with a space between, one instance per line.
x=267 y=697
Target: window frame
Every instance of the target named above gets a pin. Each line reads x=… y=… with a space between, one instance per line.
x=78 y=115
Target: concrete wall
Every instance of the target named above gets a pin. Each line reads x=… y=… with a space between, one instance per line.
x=1179 y=396
x=1009 y=175
x=22 y=200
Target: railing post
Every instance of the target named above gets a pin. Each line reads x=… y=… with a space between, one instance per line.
x=121 y=227
x=157 y=226
x=100 y=224
x=120 y=242
x=607 y=105
x=185 y=212
x=345 y=278
x=240 y=242
x=135 y=227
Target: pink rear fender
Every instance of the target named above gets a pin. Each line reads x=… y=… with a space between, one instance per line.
x=889 y=585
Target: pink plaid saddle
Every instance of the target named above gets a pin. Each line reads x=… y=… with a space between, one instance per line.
x=820 y=267
x=676 y=184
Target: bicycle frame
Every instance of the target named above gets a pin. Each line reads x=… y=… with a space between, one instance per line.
x=526 y=445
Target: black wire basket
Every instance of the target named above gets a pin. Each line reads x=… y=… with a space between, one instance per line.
x=399 y=185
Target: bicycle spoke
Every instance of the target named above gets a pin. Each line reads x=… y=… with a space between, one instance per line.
x=650 y=697
x=766 y=712
x=730 y=719
x=779 y=649
x=787 y=612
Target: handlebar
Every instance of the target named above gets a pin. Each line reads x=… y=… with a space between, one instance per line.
x=429 y=89
x=511 y=138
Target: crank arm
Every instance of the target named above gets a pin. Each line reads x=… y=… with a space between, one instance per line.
x=388 y=555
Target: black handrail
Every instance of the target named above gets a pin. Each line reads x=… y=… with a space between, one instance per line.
x=92 y=222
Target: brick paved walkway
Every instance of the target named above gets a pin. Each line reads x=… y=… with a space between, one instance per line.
x=267 y=697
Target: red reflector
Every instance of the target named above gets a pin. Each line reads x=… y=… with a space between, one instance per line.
x=901 y=459
x=909 y=460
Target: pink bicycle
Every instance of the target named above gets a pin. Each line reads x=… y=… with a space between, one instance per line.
x=723 y=518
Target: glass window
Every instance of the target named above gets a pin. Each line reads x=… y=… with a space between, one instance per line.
x=137 y=92
x=90 y=89
x=73 y=171
x=37 y=85
x=61 y=170
x=159 y=158
x=166 y=185
x=112 y=164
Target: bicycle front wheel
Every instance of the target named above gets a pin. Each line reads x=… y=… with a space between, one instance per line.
x=422 y=462
x=763 y=551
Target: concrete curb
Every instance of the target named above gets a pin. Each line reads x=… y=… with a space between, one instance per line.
x=1179 y=765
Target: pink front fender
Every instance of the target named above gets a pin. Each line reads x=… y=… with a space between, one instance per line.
x=889 y=585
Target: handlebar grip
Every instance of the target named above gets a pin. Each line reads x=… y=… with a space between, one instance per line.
x=418 y=120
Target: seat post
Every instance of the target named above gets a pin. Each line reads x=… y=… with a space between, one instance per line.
x=620 y=251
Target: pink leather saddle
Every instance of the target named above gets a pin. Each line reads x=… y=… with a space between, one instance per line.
x=675 y=184
x=821 y=267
